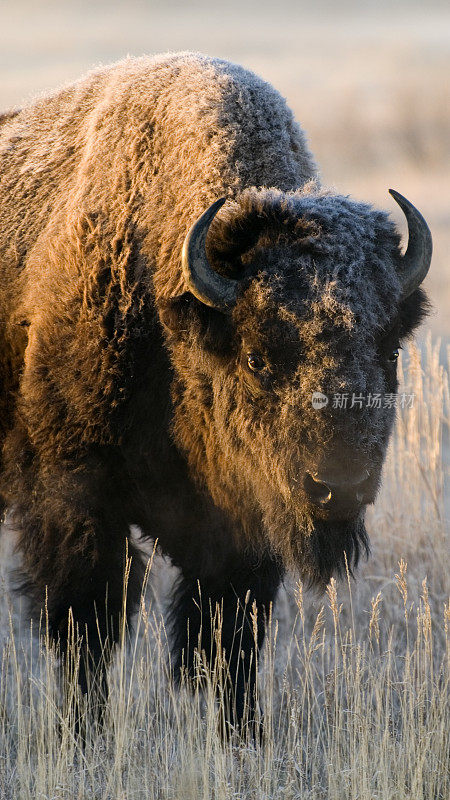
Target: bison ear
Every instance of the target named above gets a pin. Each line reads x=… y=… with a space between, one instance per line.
x=185 y=317
x=174 y=312
x=412 y=311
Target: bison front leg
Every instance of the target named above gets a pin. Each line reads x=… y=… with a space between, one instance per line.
x=224 y=619
x=72 y=532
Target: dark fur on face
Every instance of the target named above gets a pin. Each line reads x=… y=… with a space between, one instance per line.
x=319 y=308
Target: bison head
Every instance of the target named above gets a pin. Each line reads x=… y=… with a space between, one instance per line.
x=296 y=298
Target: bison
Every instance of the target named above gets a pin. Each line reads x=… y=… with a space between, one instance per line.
x=175 y=287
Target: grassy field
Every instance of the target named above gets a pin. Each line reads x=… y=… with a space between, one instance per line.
x=354 y=684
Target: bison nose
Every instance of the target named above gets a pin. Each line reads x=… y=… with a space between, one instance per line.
x=318 y=491
x=323 y=489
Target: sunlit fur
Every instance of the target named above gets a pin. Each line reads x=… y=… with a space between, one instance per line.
x=126 y=401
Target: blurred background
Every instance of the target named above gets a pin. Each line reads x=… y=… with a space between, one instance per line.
x=369 y=82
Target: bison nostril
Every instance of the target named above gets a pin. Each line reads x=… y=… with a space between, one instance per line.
x=317 y=491
x=363 y=490
x=362 y=478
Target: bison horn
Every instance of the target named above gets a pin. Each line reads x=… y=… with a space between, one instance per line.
x=415 y=263
x=202 y=280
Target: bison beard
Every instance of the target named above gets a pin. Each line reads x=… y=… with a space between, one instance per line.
x=151 y=377
x=336 y=547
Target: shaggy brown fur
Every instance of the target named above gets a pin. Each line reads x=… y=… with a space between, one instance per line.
x=125 y=400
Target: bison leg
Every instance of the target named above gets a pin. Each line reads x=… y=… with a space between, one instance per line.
x=87 y=601
x=72 y=532
x=230 y=610
x=93 y=597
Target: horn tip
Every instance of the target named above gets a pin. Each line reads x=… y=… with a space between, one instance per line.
x=395 y=194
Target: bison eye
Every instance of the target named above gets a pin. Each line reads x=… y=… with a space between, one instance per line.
x=393 y=356
x=255 y=362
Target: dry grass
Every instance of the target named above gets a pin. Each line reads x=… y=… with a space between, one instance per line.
x=355 y=685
